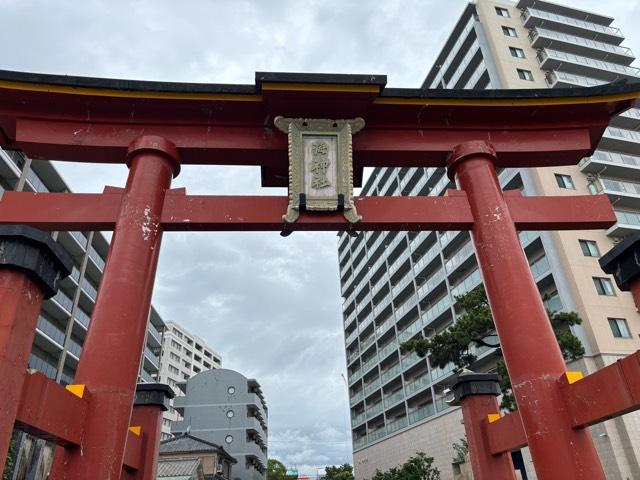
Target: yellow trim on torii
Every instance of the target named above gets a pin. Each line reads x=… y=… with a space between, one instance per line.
x=314 y=87
x=105 y=92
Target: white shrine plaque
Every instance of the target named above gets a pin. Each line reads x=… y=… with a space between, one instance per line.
x=320 y=165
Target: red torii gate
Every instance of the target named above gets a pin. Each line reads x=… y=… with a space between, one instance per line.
x=155 y=127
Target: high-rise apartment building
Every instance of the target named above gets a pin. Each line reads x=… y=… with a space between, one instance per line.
x=399 y=286
x=183 y=355
x=65 y=318
x=226 y=408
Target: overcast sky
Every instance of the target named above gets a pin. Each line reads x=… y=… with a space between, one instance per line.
x=270 y=306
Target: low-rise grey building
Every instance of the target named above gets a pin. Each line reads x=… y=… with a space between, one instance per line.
x=224 y=407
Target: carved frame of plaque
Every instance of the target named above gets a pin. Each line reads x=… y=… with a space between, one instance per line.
x=324 y=140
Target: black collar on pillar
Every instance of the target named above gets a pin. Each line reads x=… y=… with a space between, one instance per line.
x=157 y=394
x=33 y=251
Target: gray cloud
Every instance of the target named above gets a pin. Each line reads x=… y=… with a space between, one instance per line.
x=271 y=306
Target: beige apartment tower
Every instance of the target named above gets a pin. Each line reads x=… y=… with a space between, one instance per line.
x=398 y=286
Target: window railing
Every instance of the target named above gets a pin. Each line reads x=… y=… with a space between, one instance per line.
x=397 y=424
x=52 y=331
x=461 y=255
x=374 y=410
x=89 y=288
x=390 y=373
x=393 y=398
x=359 y=418
x=372 y=386
x=595 y=27
x=380 y=330
x=580 y=80
x=469 y=283
x=628 y=218
x=95 y=256
x=357 y=397
x=376 y=434
x=622 y=133
x=35 y=181
x=80 y=238
x=436 y=309
x=42 y=366
x=594 y=44
x=410 y=331
x=431 y=283
x=366 y=366
x=64 y=301
x=540 y=267
x=612 y=157
x=619 y=186
x=387 y=349
x=437 y=372
x=589 y=62
x=421 y=413
x=82 y=317
x=74 y=347
x=417 y=384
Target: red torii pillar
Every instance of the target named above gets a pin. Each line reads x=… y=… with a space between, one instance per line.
x=534 y=362
x=120 y=316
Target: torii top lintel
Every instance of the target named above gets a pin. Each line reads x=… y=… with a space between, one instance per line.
x=94 y=120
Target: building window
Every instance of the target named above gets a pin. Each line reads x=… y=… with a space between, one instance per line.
x=176 y=345
x=525 y=75
x=174 y=370
x=509 y=32
x=565 y=181
x=503 y=12
x=228 y=439
x=589 y=248
x=516 y=52
x=174 y=357
x=619 y=327
x=603 y=286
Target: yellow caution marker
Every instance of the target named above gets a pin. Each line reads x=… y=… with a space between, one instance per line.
x=493 y=417
x=77 y=390
x=136 y=430
x=573 y=377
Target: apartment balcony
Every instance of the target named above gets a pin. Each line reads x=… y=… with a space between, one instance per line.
x=376 y=435
x=359 y=443
x=151 y=360
x=52 y=333
x=469 y=283
x=550 y=59
x=616 y=164
x=155 y=337
x=357 y=397
x=358 y=419
x=421 y=413
x=410 y=360
x=371 y=387
x=384 y=352
x=570 y=11
x=385 y=326
x=396 y=425
x=417 y=384
x=374 y=410
x=628 y=222
x=354 y=377
x=352 y=356
x=410 y=331
x=620 y=140
x=62 y=302
x=43 y=366
x=82 y=318
x=629 y=119
x=557 y=79
x=369 y=364
x=393 y=398
x=532 y=17
x=622 y=194
x=545 y=38
x=390 y=373
x=351 y=337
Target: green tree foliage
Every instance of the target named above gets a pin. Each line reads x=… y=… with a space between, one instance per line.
x=461 y=450
x=419 y=467
x=11 y=457
x=339 y=472
x=475 y=327
x=277 y=471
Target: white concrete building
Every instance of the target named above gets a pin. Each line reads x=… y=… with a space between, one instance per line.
x=183 y=355
x=402 y=285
